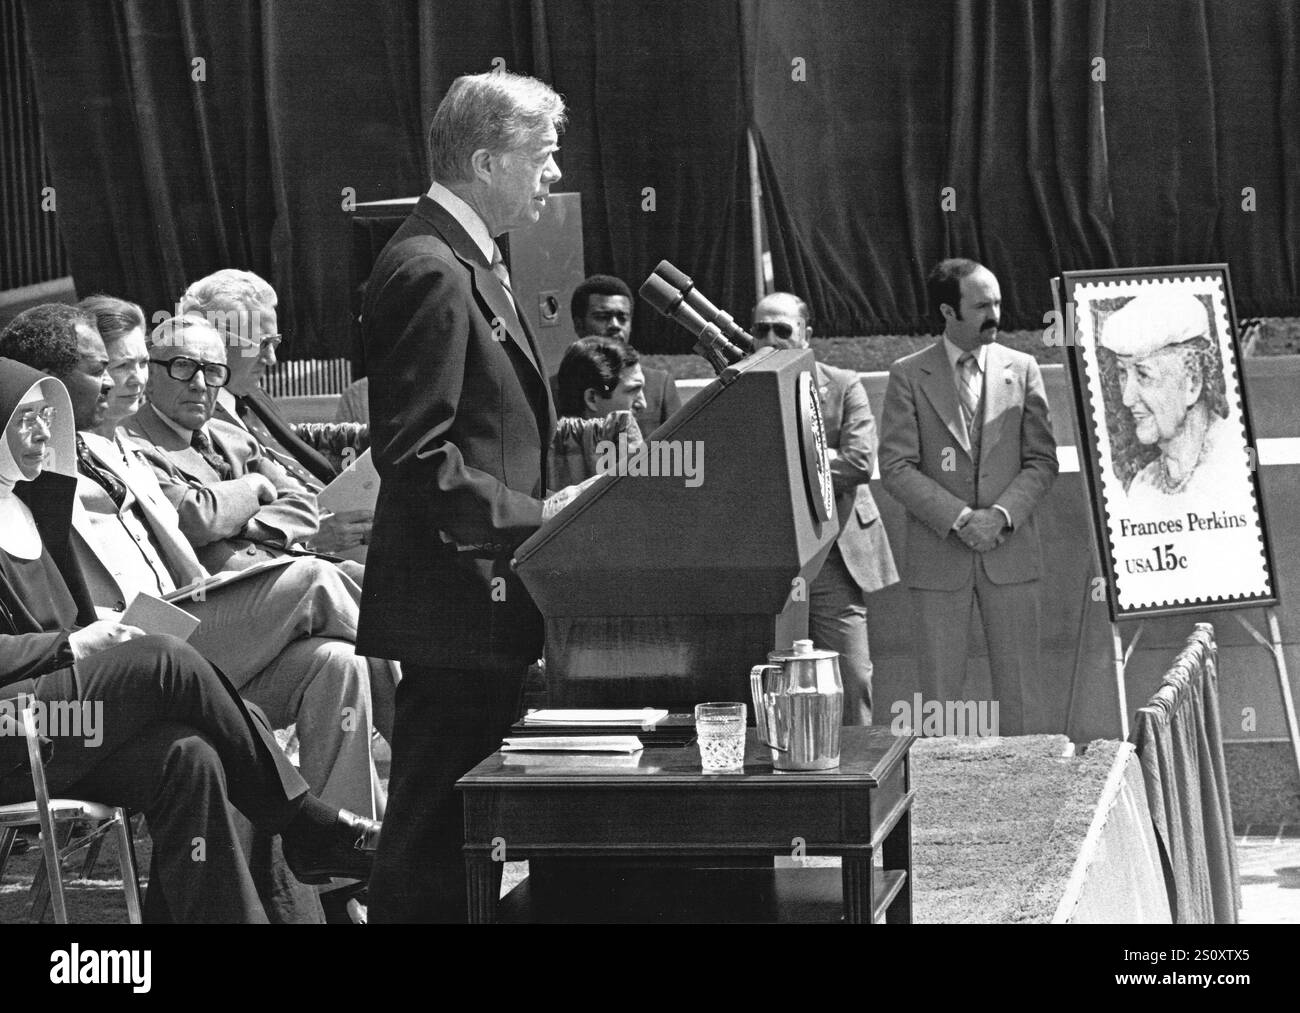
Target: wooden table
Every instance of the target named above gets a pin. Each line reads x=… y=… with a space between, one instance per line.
x=659 y=805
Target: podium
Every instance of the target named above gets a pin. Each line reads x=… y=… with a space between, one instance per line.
x=663 y=584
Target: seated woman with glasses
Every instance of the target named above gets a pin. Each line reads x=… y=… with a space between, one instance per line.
x=161 y=732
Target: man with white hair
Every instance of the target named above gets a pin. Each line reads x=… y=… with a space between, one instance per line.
x=241 y=306
x=1171 y=382
x=461 y=418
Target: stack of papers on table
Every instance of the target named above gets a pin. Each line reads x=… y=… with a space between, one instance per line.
x=655 y=727
x=573 y=744
x=572 y=763
x=647 y=717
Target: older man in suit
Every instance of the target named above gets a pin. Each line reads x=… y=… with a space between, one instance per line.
x=967 y=449
x=461 y=419
x=283 y=637
x=236 y=506
x=241 y=306
x=861 y=560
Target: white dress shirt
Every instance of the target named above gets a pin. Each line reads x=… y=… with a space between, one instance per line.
x=467 y=217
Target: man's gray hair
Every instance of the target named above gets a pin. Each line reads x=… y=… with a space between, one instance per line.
x=495 y=111
x=227 y=299
x=171 y=332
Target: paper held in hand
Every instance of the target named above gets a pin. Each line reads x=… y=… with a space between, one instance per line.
x=573 y=744
x=355 y=488
x=646 y=717
x=158 y=618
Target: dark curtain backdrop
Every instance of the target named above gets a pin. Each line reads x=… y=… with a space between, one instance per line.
x=161 y=178
x=1050 y=170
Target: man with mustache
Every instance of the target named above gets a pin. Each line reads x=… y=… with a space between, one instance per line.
x=966 y=447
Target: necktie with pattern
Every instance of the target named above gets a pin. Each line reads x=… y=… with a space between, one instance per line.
x=200 y=442
x=89 y=467
x=503 y=276
x=969 y=388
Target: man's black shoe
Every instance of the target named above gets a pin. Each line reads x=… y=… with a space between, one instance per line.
x=344 y=851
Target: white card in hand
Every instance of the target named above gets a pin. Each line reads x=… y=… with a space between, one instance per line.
x=355 y=488
x=159 y=618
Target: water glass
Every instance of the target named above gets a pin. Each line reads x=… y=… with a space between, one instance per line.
x=720 y=732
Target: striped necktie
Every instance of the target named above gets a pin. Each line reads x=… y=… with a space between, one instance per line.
x=200 y=442
x=503 y=276
x=969 y=388
x=89 y=467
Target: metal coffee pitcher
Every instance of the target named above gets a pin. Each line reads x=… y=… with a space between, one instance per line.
x=799 y=706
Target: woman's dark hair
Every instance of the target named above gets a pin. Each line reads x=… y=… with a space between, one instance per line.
x=595 y=362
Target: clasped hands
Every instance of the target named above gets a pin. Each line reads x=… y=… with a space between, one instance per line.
x=982 y=529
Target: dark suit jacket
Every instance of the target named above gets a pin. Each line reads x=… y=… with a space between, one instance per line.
x=223 y=520
x=925 y=463
x=460 y=422
x=851 y=431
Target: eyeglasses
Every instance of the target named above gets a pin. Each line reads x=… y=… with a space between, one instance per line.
x=27 y=420
x=780 y=330
x=183 y=368
x=271 y=341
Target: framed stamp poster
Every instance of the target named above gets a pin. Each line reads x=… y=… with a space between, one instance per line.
x=1165 y=439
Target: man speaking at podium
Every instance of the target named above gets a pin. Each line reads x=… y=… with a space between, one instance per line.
x=460 y=417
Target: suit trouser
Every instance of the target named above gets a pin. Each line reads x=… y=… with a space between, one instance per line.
x=325 y=688
x=448 y=720
x=837 y=621
x=1010 y=617
x=285 y=900
x=176 y=743
x=285 y=639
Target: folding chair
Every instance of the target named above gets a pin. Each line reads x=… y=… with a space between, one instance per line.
x=56 y=817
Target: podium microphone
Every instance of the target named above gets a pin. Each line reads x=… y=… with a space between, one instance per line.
x=710 y=342
x=695 y=299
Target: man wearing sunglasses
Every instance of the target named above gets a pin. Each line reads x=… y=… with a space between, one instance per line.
x=861 y=560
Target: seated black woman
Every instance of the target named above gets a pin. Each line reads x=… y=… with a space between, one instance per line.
x=170 y=737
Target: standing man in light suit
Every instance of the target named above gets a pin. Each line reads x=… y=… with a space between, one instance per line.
x=861 y=561
x=461 y=419
x=967 y=448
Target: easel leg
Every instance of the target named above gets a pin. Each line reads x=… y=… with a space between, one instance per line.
x=1274 y=646
x=1082 y=631
x=1288 y=702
